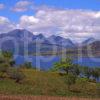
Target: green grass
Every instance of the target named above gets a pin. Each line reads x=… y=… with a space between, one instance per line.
x=46 y=83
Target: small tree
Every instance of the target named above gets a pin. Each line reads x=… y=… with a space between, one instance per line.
x=6 y=61
x=7 y=55
x=63 y=65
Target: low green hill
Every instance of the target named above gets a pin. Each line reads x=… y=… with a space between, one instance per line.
x=48 y=83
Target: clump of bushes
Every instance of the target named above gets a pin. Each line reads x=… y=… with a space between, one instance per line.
x=70 y=80
x=3 y=70
x=78 y=77
x=16 y=75
x=7 y=69
x=27 y=65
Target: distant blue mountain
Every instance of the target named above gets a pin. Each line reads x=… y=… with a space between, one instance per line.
x=22 y=38
x=61 y=41
x=88 y=41
x=18 y=33
x=40 y=39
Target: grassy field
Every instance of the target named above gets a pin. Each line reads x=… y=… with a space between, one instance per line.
x=46 y=83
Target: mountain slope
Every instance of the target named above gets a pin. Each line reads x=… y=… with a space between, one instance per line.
x=88 y=41
x=61 y=41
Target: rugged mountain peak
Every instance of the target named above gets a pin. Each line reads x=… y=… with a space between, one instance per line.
x=40 y=36
x=88 y=41
x=61 y=41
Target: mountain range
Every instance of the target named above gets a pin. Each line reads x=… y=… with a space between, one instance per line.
x=21 y=40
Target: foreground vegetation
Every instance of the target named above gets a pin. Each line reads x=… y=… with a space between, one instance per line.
x=65 y=79
x=48 y=83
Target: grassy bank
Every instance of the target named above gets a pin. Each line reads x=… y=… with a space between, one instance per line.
x=47 y=83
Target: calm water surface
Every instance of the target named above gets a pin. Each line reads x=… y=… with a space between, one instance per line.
x=47 y=62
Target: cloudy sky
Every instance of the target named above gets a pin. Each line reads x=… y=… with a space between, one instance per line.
x=75 y=19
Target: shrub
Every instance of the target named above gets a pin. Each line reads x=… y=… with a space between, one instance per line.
x=27 y=65
x=82 y=80
x=96 y=73
x=3 y=69
x=70 y=80
x=7 y=55
x=15 y=74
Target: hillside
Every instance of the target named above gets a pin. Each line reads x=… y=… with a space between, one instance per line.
x=46 y=83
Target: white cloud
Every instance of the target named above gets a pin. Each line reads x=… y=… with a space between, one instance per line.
x=67 y=23
x=21 y=6
x=74 y=24
x=29 y=20
x=5 y=24
x=2 y=6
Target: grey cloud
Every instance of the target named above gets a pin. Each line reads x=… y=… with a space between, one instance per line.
x=69 y=23
x=75 y=24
